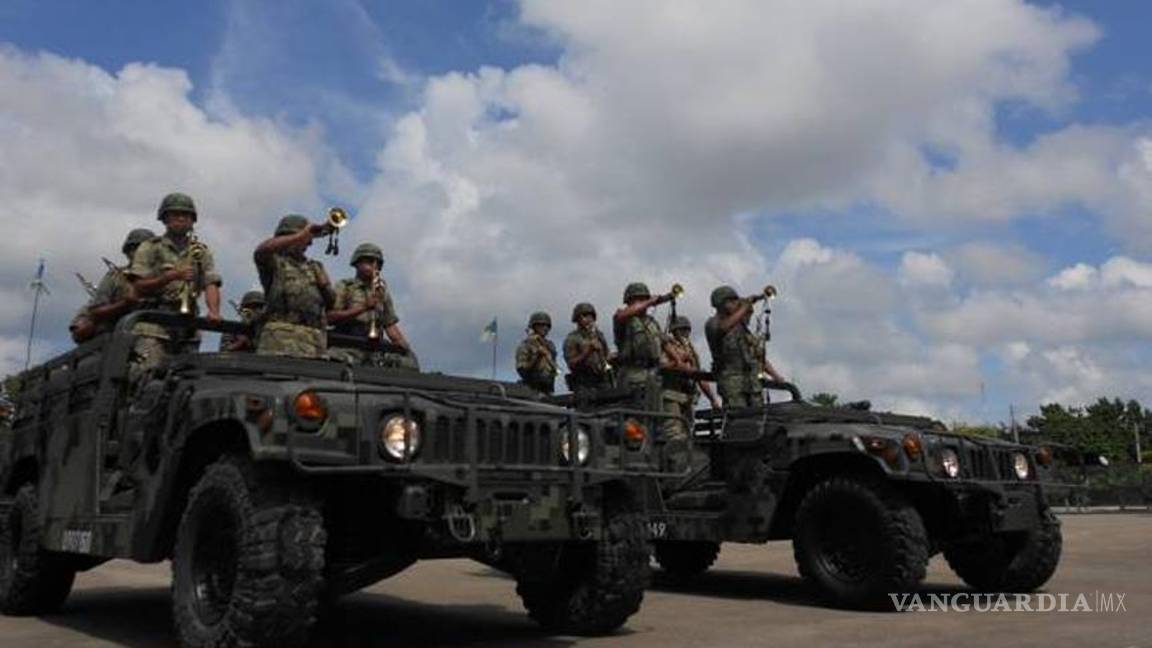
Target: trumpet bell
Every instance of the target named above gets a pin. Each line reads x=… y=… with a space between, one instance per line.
x=677 y=291
x=337 y=217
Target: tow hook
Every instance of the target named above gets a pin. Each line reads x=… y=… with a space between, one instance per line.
x=583 y=522
x=461 y=525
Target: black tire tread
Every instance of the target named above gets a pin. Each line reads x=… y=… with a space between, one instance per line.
x=990 y=566
x=41 y=581
x=906 y=542
x=597 y=598
x=280 y=567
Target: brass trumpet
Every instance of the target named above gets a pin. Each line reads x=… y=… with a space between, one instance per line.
x=337 y=219
x=677 y=291
x=190 y=291
x=768 y=293
x=374 y=318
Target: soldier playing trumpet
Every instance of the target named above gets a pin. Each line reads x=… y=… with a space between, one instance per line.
x=536 y=355
x=297 y=291
x=738 y=363
x=639 y=339
x=251 y=312
x=364 y=308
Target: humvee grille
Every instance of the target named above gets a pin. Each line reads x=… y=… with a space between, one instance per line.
x=497 y=442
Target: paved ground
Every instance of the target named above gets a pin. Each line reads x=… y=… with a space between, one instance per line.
x=753 y=598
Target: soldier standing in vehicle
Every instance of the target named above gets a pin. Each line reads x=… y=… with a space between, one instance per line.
x=536 y=355
x=639 y=340
x=679 y=362
x=297 y=291
x=736 y=362
x=251 y=311
x=586 y=352
x=168 y=273
x=364 y=308
x=114 y=297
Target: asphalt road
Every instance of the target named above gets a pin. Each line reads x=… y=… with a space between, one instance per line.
x=752 y=598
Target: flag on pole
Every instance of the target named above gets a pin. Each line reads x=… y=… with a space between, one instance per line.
x=489 y=332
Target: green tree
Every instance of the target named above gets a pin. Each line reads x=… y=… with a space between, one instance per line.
x=982 y=430
x=825 y=399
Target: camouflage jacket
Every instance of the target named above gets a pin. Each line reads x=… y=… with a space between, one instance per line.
x=353 y=292
x=733 y=352
x=676 y=382
x=638 y=342
x=536 y=360
x=112 y=288
x=596 y=364
x=296 y=290
x=159 y=255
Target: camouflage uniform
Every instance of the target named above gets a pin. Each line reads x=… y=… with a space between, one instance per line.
x=734 y=364
x=298 y=296
x=252 y=315
x=351 y=293
x=114 y=287
x=594 y=372
x=678 y=397
x=536 y=357
x=638 y=345
x=155 y=343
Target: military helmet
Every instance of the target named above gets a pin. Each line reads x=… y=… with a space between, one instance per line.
x=723 y=294
x=176 y=201
x=583 y=308
x=252 y=298
x=680 y=322
x=539 y=317
x=370 y=250
x=291 y=224
x=636 y=290
x=136 y=237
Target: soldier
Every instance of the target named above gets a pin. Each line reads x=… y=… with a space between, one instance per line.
x=364 y=306
x=251 y=310
x=114 y=297
x=679 y=361
x=736 y=361
x=297 y=291
x=638 y=338
x=586 y=352
x=168 y=272
x=536 y=355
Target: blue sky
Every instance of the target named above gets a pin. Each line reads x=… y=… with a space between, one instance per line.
x=352 y=79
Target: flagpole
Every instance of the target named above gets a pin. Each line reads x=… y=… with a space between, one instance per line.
x=495 y=344
x=38 y=286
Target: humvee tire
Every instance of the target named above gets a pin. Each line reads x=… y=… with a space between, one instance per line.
x=32 y=581
x=1009 y=562
x=684 y=560
x=858 y=541
x=589 y=588
x=247 y=569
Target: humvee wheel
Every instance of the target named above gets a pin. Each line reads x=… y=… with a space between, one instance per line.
x=1009 y=562
x=247 y=567
x=587 y=588
x=684 y=560
x=32 y=580
x=856 y=542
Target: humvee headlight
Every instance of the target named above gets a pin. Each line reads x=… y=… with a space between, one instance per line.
x=399 y=438
x=583 y=446
x=950 y=462
x=310 y=408
x=1020 y=466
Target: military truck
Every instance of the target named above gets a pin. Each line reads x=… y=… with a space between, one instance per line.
x=276 y=484
x=865 y=497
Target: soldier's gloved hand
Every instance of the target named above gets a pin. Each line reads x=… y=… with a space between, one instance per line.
x=214 y=316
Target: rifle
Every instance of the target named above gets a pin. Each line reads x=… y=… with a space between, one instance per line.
x=88 y=287
x=543 y=352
